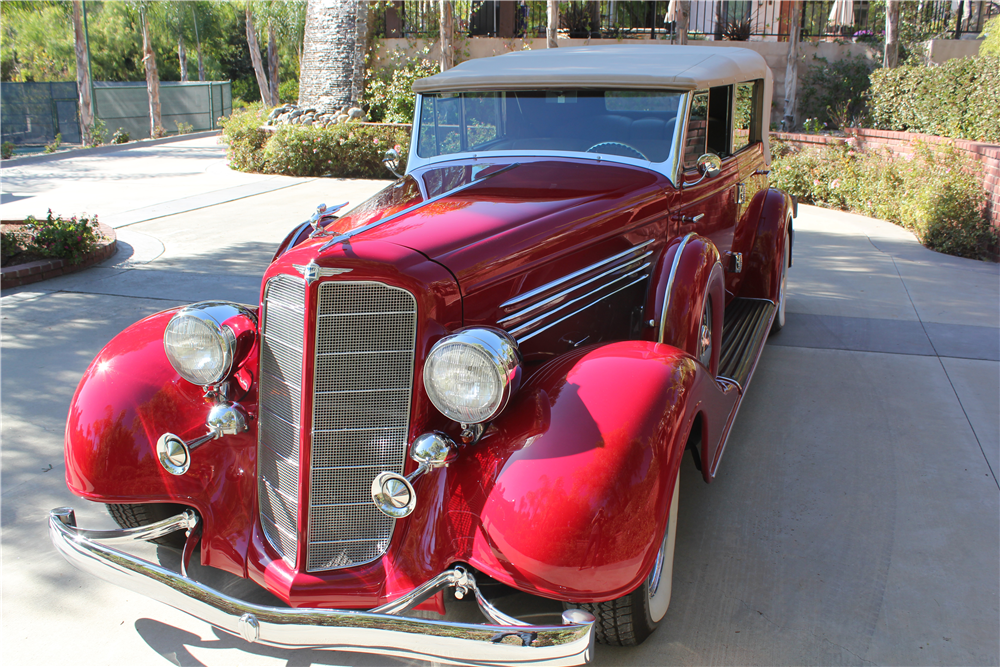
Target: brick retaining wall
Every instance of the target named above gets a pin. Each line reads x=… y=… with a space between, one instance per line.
x=901 y=143
x=43 y=269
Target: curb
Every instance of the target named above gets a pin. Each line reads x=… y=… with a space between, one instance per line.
x=43 y=269
x=108 y=148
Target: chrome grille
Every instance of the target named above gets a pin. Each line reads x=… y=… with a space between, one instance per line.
x=365 y=338
x=282 y=335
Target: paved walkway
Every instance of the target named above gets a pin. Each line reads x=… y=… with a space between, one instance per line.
x=855 y=519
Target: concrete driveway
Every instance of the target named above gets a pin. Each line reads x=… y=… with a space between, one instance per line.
x=855 y=519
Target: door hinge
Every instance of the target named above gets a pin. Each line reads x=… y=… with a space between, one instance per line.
x=735 y=262
x=741 y=193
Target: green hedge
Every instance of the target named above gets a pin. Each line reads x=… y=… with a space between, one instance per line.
x=353 y=150
x=937 y=194
x=959 y=99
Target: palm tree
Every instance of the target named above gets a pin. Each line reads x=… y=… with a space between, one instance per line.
x=333 y=59
x=82 y=73
x=152 y=75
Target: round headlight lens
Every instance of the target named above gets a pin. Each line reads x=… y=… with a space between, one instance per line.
x=470 y=375
x=199 y=345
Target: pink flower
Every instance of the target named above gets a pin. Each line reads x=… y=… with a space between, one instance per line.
x=836 y=183
x=315 y=150
x=851 y=153
x=398 y=147
x=815 y=181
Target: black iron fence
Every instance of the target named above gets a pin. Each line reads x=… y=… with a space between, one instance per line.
x=722 y=19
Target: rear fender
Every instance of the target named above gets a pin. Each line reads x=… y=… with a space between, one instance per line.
x=130 y=396
x=588 y=453
x=762 y=268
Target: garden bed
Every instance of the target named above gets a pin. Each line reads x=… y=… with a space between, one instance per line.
x=25 y=268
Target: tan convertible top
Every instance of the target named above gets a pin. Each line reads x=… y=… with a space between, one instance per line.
x=619 y=66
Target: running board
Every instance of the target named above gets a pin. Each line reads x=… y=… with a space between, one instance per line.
x=744 y=331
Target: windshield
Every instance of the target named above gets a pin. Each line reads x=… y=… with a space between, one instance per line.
x=637 y=124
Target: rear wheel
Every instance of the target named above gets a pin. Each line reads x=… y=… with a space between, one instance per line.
x=135 y=516
x=630 y=619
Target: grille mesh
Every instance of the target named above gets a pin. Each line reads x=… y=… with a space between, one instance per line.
x=278 y=433
x=365 y=337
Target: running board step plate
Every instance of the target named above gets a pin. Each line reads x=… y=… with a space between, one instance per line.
x=744 y=331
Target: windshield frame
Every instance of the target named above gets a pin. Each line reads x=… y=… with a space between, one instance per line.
x=668 y=168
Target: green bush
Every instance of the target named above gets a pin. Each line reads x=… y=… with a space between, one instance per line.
x=343 y=151
x=54 y=146
x=991 y=43
x=98 y=132
x=959 y=99
x=121 y=136
x=937 y=195
x=389 y=96
x=834 y=93
x=245 y=139
x=7 y=150
x=66 y=239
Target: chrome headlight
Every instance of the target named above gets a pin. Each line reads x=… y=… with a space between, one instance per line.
x=470 y=375
x=205 y=341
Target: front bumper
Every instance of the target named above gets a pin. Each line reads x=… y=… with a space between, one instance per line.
x=506 y=641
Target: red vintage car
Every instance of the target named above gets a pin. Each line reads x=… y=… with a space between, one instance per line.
x=488 y=372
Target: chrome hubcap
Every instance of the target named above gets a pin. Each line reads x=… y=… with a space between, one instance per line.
x=705 y=336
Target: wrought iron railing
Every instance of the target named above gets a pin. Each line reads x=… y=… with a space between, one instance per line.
x=726 y=19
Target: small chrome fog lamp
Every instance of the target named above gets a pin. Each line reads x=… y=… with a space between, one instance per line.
x=471 y=374
x=206 y=341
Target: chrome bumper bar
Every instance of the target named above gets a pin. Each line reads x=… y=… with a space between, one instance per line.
x=506 y=641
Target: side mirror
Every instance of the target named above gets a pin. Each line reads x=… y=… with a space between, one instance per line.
x=391 y=162
x=709 y=165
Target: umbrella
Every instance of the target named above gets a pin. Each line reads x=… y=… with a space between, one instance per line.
x=672 y=11
x=842 y=13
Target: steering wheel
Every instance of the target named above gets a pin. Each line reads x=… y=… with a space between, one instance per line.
x=618 y=143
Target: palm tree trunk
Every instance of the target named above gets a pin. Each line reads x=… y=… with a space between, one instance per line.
x=683 y=19
x=272 y=64
x=82 y=74
x=333 y=58
x=201 y=63
x=258 y=65
x=152 y=76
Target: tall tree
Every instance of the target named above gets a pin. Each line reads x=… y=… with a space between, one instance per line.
x=197 y=39
x=83 y=73
x=447 y=31
x=333 y=58
x=152 y=76
x=891 y=58
x=258 y=65
x=552 y=23
x=792 y=65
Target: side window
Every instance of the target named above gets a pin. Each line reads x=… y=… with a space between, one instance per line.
x=697 y=129
x=746 y=120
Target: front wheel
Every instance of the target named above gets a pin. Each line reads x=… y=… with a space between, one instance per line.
x=135 y=516
x=630 y=619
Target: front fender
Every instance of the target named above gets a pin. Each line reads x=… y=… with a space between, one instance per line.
x=591 y=448
x=130 y=396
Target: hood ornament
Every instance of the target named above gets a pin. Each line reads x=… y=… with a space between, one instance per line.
x=313 y=272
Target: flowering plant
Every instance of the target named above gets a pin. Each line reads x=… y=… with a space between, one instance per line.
x=56 y=236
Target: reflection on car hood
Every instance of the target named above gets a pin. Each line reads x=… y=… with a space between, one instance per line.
x=492 y=218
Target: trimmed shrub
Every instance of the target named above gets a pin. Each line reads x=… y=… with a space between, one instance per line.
x=959 y=99
x=834 y=93
x=343 y=151
x=353 y=150
x=245 y=139
x=937 y=195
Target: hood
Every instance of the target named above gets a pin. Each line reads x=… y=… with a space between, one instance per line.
x=501 y=213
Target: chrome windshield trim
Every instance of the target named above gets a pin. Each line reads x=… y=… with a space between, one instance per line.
x=576 y=274
x=382 y=631
x=347 y=236
x=593 y=303
x=622 y=267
